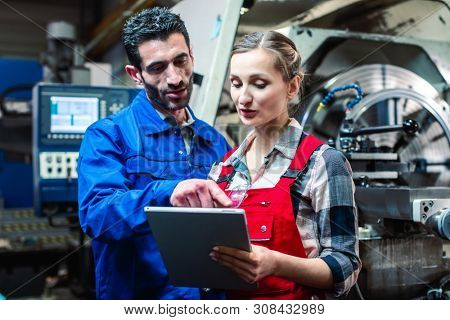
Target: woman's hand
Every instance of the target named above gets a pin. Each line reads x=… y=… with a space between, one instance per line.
x=250 y=266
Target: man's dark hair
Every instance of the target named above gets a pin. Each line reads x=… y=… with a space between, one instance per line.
x=150 y=24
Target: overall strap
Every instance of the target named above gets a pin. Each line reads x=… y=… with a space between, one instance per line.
x=298 y=166
x=304 y=152
x=229 y=153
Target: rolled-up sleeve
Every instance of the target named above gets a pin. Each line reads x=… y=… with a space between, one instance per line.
x=332 y=199
x=109 y=209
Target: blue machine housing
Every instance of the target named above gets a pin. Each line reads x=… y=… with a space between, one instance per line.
x=16 y=175
x=61 y=114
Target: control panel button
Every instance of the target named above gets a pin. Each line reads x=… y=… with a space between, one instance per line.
x=114 y=108
x=58 y=165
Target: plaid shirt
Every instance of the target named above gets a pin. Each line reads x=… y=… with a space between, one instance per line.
x=325 y=207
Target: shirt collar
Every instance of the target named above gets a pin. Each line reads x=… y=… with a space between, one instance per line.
x=289 y=139
x=189 y=119
x=151 y=121
x=287 y=144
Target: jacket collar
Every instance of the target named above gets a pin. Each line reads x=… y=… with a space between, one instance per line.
x=151 y=122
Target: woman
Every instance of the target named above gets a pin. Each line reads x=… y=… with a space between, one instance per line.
x=297 y=192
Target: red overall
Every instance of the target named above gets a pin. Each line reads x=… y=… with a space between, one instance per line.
x=271 y=223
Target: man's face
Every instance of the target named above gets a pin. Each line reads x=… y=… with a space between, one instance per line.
x=167 y=72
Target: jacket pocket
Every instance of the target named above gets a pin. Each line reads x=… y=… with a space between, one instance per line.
x=141 y=171
x=260 y=227
x=140 y=165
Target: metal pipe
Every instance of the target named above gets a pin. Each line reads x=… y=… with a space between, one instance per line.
x=102 y=35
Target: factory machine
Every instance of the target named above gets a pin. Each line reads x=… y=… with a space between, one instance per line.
x=15 y=131
x=36 y=234
x=397 y=139
x=61 y=114
x=42 y=125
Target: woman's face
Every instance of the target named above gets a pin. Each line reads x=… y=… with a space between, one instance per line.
x=258 y=90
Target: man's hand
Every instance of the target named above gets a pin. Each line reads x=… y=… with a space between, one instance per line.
x=199 y=194
x=250 y=266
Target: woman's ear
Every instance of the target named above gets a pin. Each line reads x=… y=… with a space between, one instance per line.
x=294 y=86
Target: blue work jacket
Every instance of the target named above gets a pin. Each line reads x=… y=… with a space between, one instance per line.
x=128 y=161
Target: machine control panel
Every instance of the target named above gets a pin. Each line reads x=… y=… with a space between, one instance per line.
x=58 y=165
x=61 y=115
x=65 y=111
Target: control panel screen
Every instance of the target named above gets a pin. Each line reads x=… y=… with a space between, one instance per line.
x=72 y=114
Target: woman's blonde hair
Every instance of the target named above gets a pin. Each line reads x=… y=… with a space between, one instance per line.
x=287 y=58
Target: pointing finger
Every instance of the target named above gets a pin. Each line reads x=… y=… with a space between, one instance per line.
x=219 y=196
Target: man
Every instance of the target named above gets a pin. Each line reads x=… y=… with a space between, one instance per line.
x=139 y=156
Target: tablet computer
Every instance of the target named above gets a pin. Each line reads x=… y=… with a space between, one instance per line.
x=186 y=236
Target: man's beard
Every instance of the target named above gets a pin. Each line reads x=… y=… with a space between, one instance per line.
x=159 y=101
